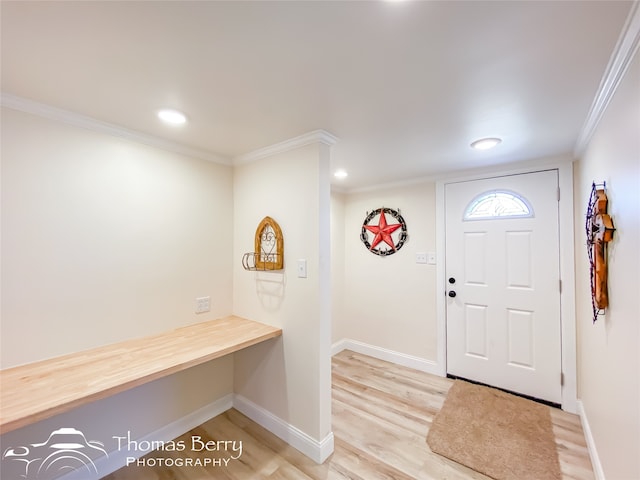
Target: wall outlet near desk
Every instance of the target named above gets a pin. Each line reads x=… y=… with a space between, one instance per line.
x=203 y=304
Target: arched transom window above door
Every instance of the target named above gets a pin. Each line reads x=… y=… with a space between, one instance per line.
x=496 y=204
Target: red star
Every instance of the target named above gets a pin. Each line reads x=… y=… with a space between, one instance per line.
x=383 y=232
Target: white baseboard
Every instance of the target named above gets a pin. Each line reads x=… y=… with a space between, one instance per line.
x=318 y=451
x=417 y=363
x=118 y=458
x=339 y=346
x=591 y=444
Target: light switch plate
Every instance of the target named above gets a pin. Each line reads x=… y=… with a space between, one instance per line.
x=302 y=268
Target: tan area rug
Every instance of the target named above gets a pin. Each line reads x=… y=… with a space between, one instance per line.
x=500 y=435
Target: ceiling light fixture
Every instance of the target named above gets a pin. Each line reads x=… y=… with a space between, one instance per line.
x=174 y=117
x=341 y=174
x=486 y=143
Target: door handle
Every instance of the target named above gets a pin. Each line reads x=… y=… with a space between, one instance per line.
x=452 y=293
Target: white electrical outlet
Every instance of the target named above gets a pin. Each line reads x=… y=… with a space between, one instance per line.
x=203 y=304
x=431 y=258
x=421 y=257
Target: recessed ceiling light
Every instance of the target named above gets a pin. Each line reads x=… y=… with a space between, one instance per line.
x=341 y=174
x=173 y=117
x=485 y=143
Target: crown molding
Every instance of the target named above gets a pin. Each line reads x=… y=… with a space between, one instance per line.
x=316 y=136
x=512 y=168
x=620 y=60
x=389 y=185
x=25 y=105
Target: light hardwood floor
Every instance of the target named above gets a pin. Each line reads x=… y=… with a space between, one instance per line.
x=381 y=416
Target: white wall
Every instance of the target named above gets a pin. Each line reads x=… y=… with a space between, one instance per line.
x=338 y=261
x=390 y=302
x=608 y=351
x=289 y=378
x=103 y=240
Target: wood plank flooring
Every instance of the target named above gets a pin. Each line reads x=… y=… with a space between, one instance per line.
x=381 y=416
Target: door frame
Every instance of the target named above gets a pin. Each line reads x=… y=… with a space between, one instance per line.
x=564 y=166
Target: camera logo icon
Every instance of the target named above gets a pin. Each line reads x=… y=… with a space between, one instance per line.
x=66 y=450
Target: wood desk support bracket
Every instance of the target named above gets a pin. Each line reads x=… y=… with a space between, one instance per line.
x=36 y=391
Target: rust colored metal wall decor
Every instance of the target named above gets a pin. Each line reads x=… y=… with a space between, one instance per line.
x=268 y=253
x=383 y=238
x=599 y=230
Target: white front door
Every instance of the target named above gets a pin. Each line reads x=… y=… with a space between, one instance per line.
x=503 y=283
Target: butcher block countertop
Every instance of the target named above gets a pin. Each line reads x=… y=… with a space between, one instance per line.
x=30 y=393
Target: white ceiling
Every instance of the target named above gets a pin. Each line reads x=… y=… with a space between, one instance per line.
x=405 y=86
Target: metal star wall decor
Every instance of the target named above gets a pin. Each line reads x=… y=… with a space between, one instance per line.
x=383 y=238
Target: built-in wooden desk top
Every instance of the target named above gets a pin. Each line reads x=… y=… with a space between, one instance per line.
x=30 y=393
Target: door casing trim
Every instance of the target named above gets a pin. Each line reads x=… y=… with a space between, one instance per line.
x=564 y=168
